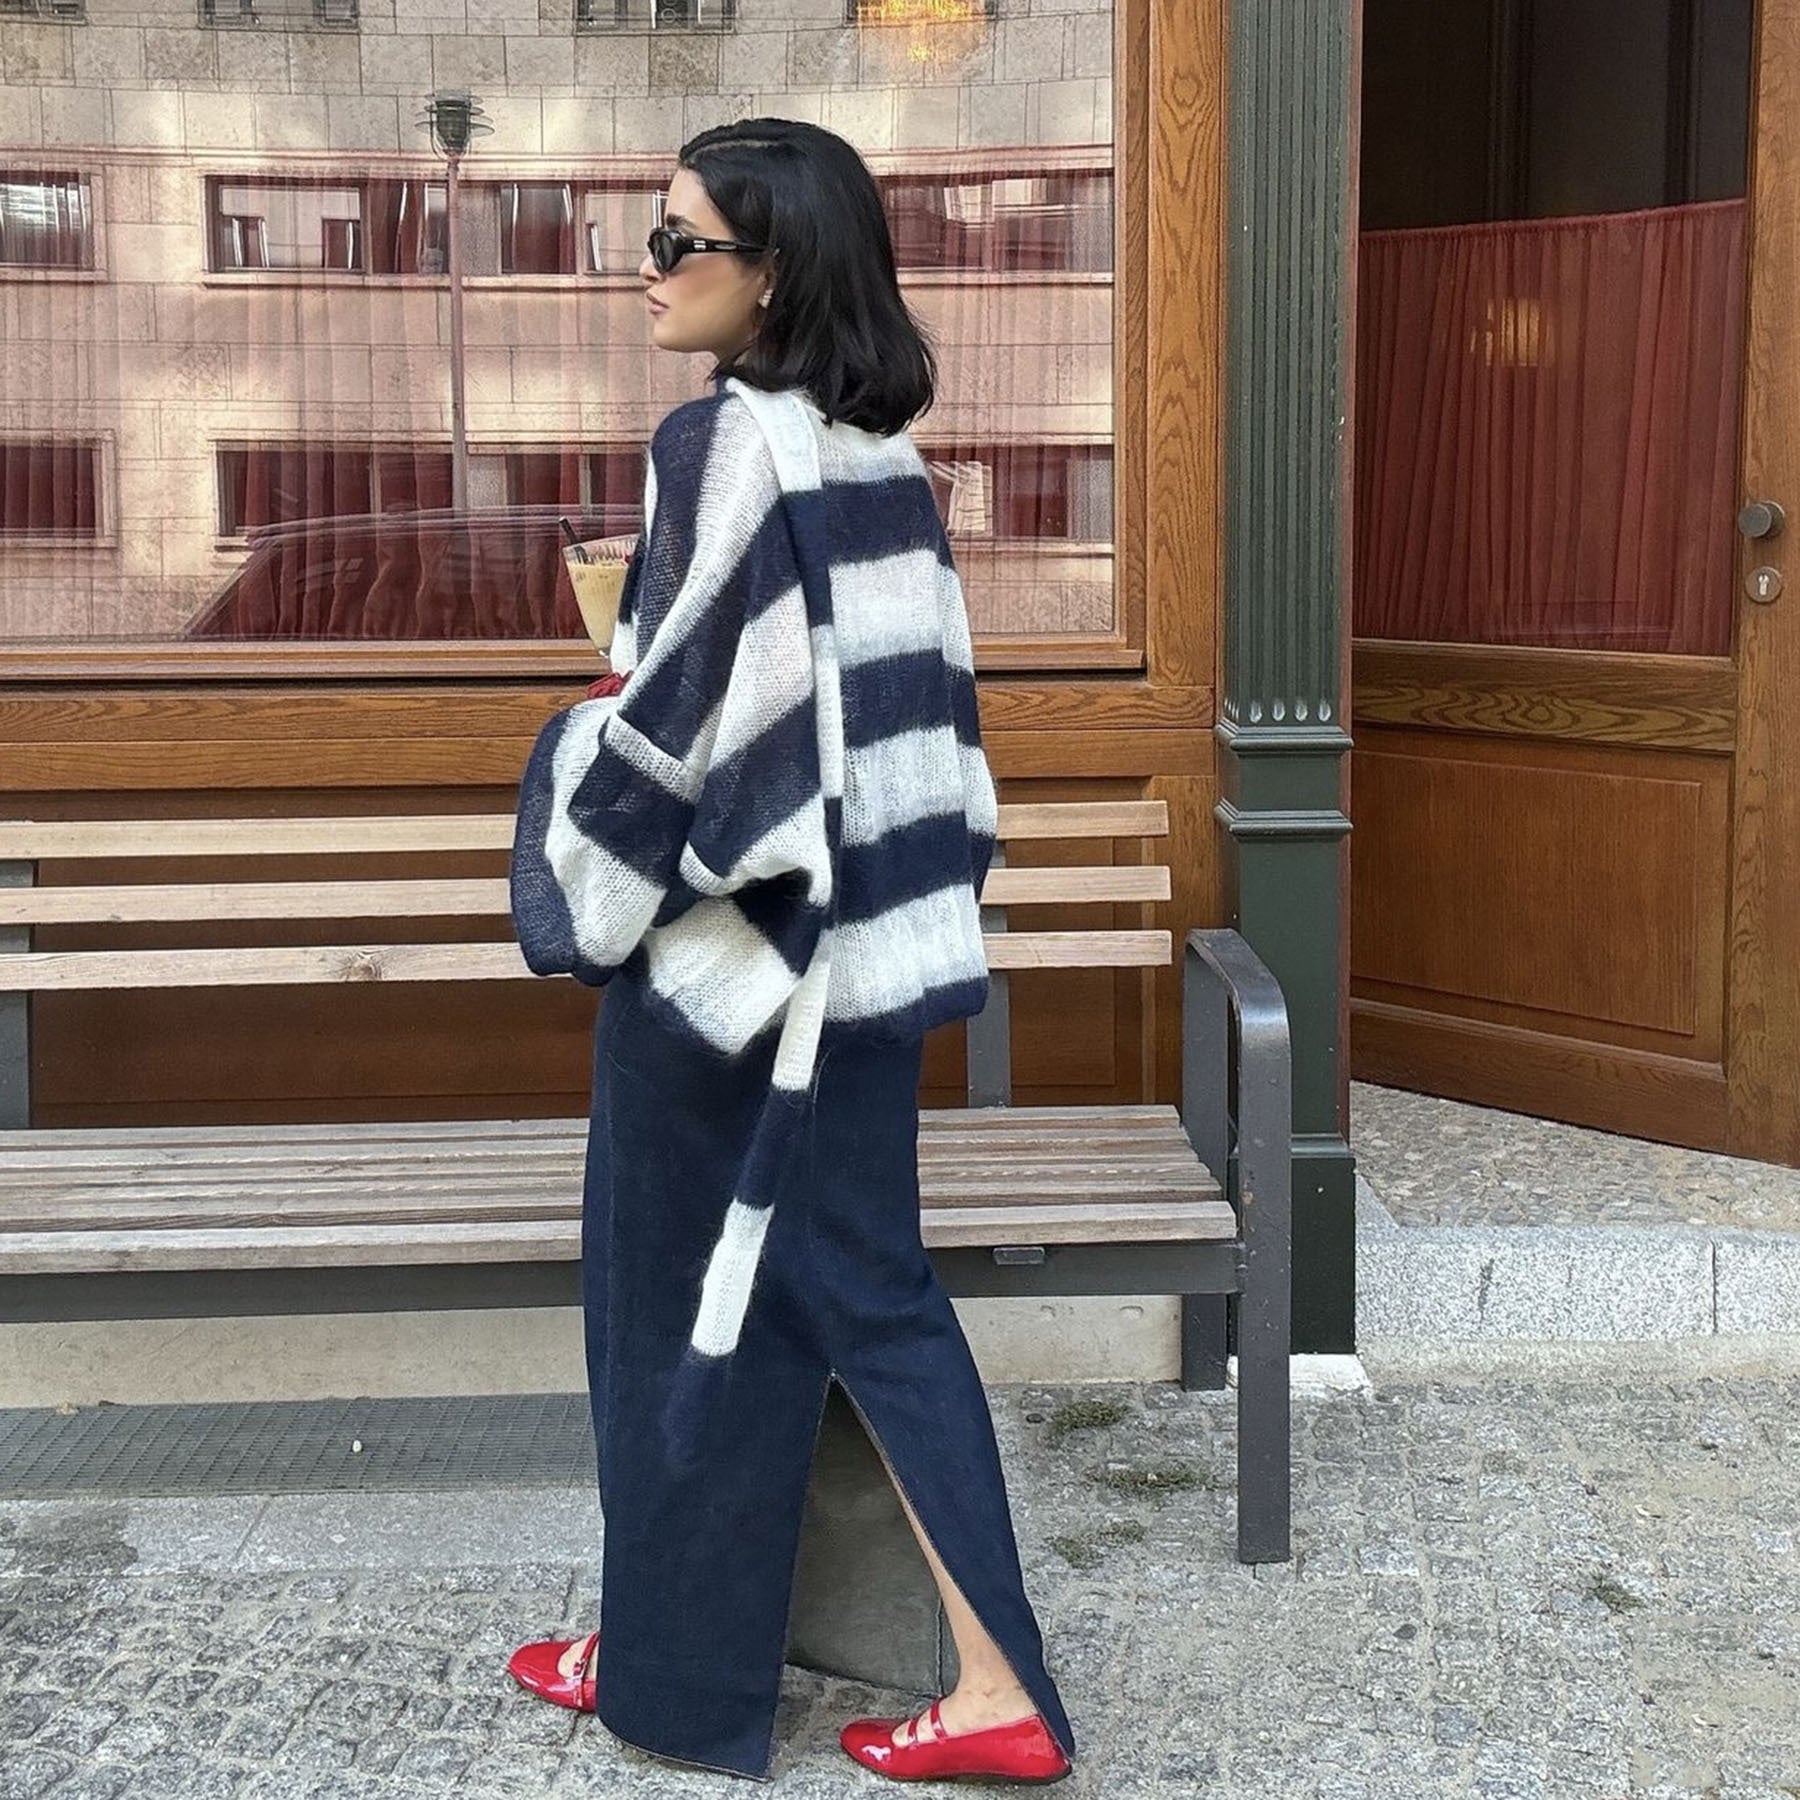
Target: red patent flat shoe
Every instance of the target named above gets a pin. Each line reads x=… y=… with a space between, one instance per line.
x=533 y=1666
x=1022 y=1751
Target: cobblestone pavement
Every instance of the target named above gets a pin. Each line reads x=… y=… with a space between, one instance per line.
x=1511 y=1585
x=1438 y=1162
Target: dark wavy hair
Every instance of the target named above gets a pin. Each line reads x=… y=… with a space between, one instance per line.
x=836 y=324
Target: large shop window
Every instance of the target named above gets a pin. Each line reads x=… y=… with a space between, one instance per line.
x=266 y=345
x=46 y=221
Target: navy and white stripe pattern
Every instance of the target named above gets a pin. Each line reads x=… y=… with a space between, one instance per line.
x=785 y=818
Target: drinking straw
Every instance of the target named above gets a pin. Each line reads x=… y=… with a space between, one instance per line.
x=575 y=542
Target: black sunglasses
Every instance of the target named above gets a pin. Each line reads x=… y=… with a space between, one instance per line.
x=667 y=247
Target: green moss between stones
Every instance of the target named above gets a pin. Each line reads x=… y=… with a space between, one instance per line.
x=1085 y=1415
x=1152 y=1478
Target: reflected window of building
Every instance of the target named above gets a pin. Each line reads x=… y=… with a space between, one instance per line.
x=49 y=489
x=618 y=220
x=281 y=15
x=555 y=227
x=278 y=484
x=655 y=15
x=537 y=228
x=46 y=220
x=1036 y=223
x=1031 y=492
x=917 y=13
x=563 y=476
x=366 y=228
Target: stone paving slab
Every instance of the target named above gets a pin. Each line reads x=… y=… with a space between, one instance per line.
x=1515 y=1581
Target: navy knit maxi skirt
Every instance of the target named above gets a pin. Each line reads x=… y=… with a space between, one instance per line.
x=698 y=1560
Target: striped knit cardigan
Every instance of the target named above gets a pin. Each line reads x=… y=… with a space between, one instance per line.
x=785 y=817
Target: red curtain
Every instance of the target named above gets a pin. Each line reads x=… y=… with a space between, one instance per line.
x=1547 y=435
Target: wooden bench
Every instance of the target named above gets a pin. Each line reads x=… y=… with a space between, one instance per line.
x=1017 y=1200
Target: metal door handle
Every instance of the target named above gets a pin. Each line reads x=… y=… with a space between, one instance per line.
x=1761 y=519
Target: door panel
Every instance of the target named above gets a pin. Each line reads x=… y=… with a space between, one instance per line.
x=1480 y=872
x=1541 y=1073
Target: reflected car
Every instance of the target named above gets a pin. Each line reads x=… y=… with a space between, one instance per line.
x=407 y=576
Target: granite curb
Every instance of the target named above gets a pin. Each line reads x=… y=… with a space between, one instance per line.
x=1595 y=1283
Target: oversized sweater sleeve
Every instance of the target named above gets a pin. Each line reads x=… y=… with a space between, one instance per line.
x=980 y=807
x=701 y=780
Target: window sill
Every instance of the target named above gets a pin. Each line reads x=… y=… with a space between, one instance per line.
x=281 y=22
x=301 y=661
x=28 y=272
x=36 y=540
x=349 y=278
x=606 y=283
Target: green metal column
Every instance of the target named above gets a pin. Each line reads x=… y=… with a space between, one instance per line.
x=1282 y=771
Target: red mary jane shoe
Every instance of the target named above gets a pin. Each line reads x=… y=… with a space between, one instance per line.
x=533 y=1666
x=1023 y=1751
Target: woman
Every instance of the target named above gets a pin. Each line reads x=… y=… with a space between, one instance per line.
x=766 y=832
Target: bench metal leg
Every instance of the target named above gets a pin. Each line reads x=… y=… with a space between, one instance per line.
x=1203 y=1341
x=1222 y=972
x=15 y=1015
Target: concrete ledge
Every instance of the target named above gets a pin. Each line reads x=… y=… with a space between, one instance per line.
x=520 y=1350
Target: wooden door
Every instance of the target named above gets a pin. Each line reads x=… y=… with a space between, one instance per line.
x=1763 y=965
x=1576 y=872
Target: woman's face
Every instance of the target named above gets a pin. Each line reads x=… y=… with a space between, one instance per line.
x=709 y=302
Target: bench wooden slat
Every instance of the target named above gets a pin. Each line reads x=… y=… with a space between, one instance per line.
x=270 y=1186
x=1014 y=950
x=554 y=1240
x=361 y=1203
x=355 y=834
x=45 y=1172
x=178 y=1140
x=164 y=902
x=38 y=840
x=1084 y=819
x=308 y=965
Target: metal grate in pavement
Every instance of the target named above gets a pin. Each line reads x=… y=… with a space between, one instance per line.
x=297 y=1447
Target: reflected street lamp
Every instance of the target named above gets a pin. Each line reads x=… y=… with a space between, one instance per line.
x=456 y=120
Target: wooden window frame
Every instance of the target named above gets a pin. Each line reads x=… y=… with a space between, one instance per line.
x=1168 y=156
